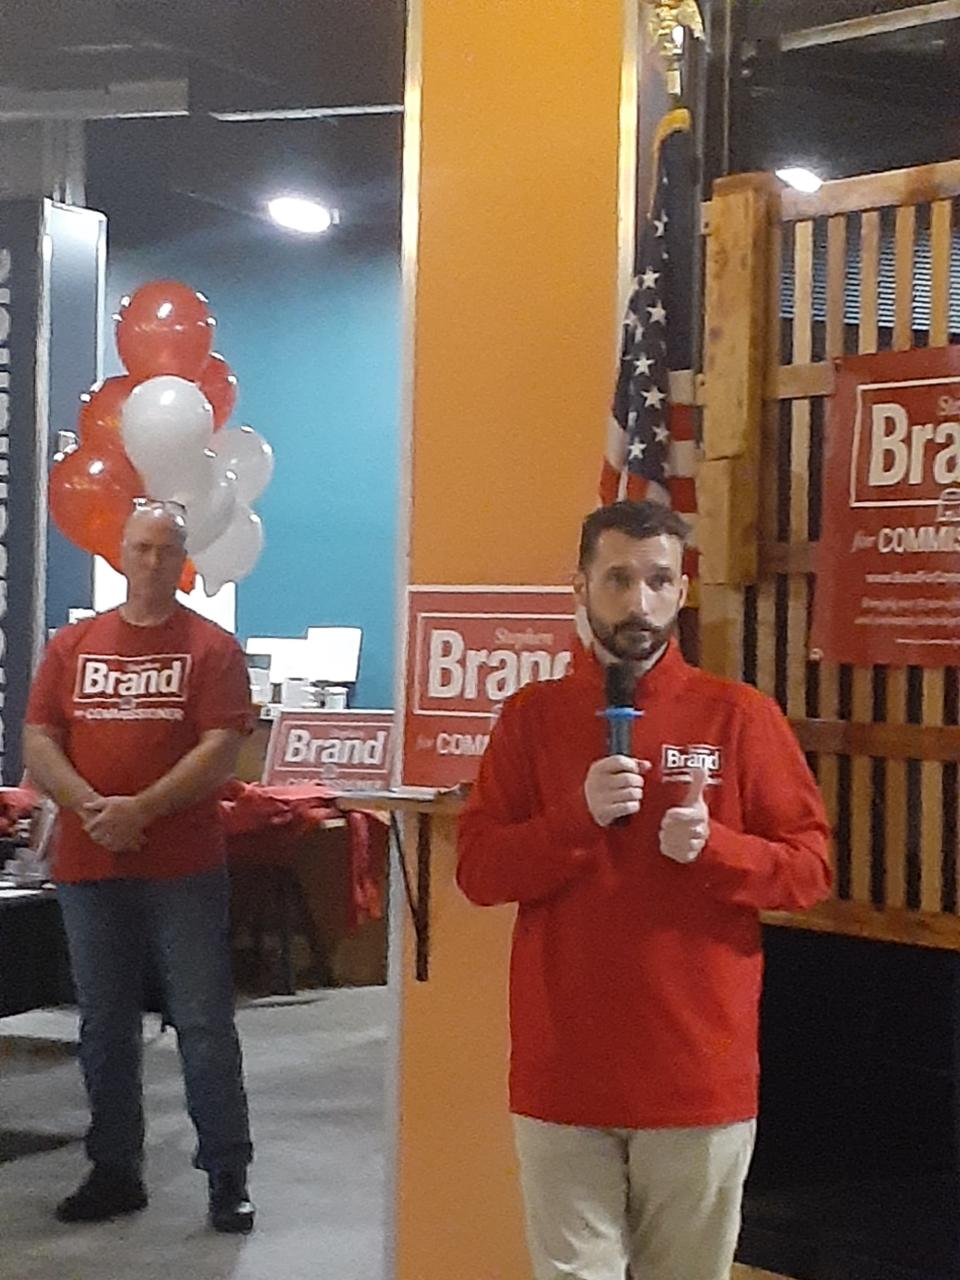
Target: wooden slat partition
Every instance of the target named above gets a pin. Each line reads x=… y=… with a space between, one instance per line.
x=737 y=299
x=895 y=796
x=932 y=775
x=915 y=186
x=828 y=685
x=861 y=770
x=797 y=503
x=799 y=381
x=785 y=557
x=884 y=742
x=880 y=740
x=886 y=924
x=740 y=1272
x=769 y=488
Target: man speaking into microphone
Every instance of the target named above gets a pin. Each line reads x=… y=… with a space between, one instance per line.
x=639 y=875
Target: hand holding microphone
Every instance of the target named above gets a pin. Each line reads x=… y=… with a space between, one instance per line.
x=614 y=785
x=614 y=788
x=684 y=830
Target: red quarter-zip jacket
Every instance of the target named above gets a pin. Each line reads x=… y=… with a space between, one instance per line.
x=635 y=981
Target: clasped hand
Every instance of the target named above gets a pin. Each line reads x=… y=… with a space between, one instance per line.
x=118 y=823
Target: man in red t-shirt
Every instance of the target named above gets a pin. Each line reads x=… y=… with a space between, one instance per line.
x=133 y=726
x=639 y=878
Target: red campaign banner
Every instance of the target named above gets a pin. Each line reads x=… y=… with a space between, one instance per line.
x=888 y=560
x=348 y=750
x=468 y=650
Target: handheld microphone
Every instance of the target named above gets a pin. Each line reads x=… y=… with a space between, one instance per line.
x=619 y=711
x=620 y=714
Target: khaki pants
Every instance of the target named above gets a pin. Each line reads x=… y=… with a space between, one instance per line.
x=665 y=1202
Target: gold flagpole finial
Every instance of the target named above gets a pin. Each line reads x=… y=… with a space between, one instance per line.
x=670 y=22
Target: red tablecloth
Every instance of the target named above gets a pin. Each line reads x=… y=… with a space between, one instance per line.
x=266 y=825
x=15 y=803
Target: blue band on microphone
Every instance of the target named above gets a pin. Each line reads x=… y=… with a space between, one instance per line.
x=620 y=713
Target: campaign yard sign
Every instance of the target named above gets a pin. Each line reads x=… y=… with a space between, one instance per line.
x=468 y=649
x=888 y=558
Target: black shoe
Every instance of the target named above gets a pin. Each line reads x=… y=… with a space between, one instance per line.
x=230 y=1207
x=105 y=1193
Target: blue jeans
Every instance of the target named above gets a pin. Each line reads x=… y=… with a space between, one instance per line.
x=183 y=924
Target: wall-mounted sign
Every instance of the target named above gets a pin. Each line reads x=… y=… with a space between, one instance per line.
x=888 y=561
x=348 y=750
x=468 y=650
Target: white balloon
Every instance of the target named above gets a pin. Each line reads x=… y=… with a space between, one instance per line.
x=207 y=493
x=166 y=423
x=246 y=453
x=208 y=514
x=185 y=478
x=234 y=553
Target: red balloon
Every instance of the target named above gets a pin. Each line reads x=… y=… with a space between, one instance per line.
x=100 y=413
x=218 y=383
x=91 y=496
x=188 y=579
x=110 y=551
x=164 y=328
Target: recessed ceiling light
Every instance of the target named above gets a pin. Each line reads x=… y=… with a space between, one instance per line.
x=297 y=214
x=804 y=180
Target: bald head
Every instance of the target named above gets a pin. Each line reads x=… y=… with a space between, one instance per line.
x=152 y=554
x=156 y=516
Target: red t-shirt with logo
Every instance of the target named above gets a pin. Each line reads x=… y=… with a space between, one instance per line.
x=129 y=703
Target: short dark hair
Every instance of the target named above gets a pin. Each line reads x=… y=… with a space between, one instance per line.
x=636 y=519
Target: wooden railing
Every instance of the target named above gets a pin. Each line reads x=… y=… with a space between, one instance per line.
x=884 y=742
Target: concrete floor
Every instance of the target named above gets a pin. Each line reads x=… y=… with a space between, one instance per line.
x=315 y=1075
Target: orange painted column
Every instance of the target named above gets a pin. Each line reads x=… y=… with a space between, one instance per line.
x=511 y=266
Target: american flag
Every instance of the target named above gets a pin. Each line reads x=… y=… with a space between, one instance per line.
x=651 y=448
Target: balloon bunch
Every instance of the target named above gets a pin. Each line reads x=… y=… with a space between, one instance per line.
x=159 y=431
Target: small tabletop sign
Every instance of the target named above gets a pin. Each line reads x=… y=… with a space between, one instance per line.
x=348 y=750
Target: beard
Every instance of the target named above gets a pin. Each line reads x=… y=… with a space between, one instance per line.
x=633 y=639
